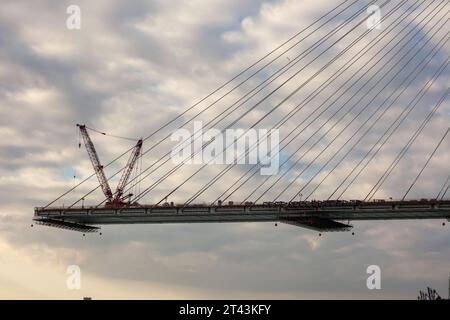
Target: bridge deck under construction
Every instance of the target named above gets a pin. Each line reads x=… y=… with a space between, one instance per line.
x=321 y=216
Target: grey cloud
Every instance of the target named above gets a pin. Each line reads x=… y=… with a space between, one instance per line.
x=133 y=66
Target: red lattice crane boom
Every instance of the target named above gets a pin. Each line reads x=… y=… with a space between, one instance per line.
x=127 y=172
x=116 y=199
x=98 y=168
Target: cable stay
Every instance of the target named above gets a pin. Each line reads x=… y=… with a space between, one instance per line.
x=444 y=186
x=405 y=149
x=253 y=188
x=268 y=113
x=224 y=85
x=229 y=111
x=426 y=163
x=357 y=142
x=330 y=94
x=309 y=99
x=325 y=148
x=335 y=114
x=445 y=192
x=395 y=125
x=247 y=112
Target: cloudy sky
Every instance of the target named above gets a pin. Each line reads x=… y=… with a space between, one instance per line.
x=135 y=65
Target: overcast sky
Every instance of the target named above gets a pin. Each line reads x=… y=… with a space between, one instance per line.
x=134 y=65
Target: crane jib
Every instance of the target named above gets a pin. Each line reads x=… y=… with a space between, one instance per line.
x=117 y=199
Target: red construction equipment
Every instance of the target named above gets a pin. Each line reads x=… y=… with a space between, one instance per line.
x=117 y=199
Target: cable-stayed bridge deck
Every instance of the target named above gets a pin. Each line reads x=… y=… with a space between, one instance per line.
x=317 y=215
x=336 y=115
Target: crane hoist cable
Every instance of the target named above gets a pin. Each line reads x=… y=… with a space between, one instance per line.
x=111 y=135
